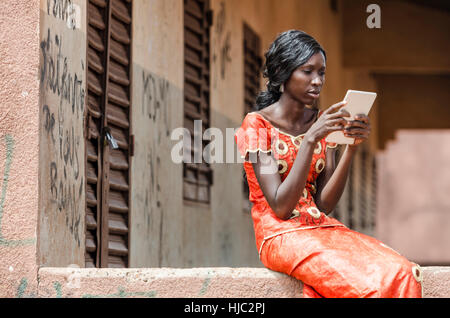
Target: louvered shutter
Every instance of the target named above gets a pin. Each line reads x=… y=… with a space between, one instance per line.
x=252 y=68
x=96 y=64
x=197 y=21
x=357 y=206
x=109 y=144
x=252 y=73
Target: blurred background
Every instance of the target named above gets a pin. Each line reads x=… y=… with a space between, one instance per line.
x=115 y=78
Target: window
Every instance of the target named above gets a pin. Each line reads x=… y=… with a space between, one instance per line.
x=252 y=74
x=109 y=144
x=357 y=206
x=252 y=68
x=197 y=177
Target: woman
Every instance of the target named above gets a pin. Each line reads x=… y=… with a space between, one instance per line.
x=294 y=183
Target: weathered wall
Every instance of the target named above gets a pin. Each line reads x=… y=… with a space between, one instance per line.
x=412 y=101
x=218 y=282
x=19 y=146
x=62 y=91
x=413 y=202
x=411 y=37
x=156 y=182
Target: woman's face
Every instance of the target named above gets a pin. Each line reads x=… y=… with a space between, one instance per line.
x=306 y=81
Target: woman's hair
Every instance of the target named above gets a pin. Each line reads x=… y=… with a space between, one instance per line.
x=290 y=50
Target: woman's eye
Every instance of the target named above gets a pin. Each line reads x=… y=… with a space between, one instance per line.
x=307 y=71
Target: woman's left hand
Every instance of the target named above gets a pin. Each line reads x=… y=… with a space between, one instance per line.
x=359 y=128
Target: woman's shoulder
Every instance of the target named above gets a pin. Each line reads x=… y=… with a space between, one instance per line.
x=255 y=119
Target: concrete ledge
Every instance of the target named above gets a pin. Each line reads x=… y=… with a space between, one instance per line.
x=436 y=282
x=218 y=282
x=221 y=282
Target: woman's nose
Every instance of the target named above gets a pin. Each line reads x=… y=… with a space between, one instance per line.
x=317 y=80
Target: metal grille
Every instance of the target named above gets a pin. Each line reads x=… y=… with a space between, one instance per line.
x=108 y=140
x=197 y=177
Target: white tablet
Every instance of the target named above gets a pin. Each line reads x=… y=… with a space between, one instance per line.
x=358 y=102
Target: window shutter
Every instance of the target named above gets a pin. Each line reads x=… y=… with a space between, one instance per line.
x=357 y=207
x=96 y=57
x=197 y=177
x=252 y=68
x=252 y=73
x=108 y=144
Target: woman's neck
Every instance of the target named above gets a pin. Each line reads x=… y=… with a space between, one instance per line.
x=291 y=110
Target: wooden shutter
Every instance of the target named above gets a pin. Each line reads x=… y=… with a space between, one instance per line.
x=109 y=143
x=197 y=177
x=357 y=206
x=252 y=68
x=252 y=75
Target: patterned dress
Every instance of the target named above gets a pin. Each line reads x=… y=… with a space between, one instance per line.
x=330 y=259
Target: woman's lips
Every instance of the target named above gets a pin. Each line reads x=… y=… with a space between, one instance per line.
x=314 y=95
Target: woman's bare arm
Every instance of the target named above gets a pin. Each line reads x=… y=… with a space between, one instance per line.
x=283 y=196
x=331 y=182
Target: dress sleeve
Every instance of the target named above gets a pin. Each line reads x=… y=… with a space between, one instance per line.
x=252 y=136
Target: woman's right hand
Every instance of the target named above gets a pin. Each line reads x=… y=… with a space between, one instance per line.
x=331 y=120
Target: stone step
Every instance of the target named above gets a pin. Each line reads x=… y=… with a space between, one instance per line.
x=220 y=282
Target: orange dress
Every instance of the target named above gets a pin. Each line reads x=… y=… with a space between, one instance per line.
x=330 y=259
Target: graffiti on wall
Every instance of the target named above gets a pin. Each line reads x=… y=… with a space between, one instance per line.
x=56 y=76
x=155 y=103
x=155 y=106
x=65 y=10
x=221 y=45
x=153 y=126
x=63 y=92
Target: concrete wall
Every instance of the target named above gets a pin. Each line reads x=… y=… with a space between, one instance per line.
x=156 y=183
x=62 y=92
x=411 y=37
x=19 y=146
x=218 y=282
x=413 y=203
x=412 y=101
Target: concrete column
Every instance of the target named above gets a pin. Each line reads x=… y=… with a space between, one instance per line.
x=19 y=146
